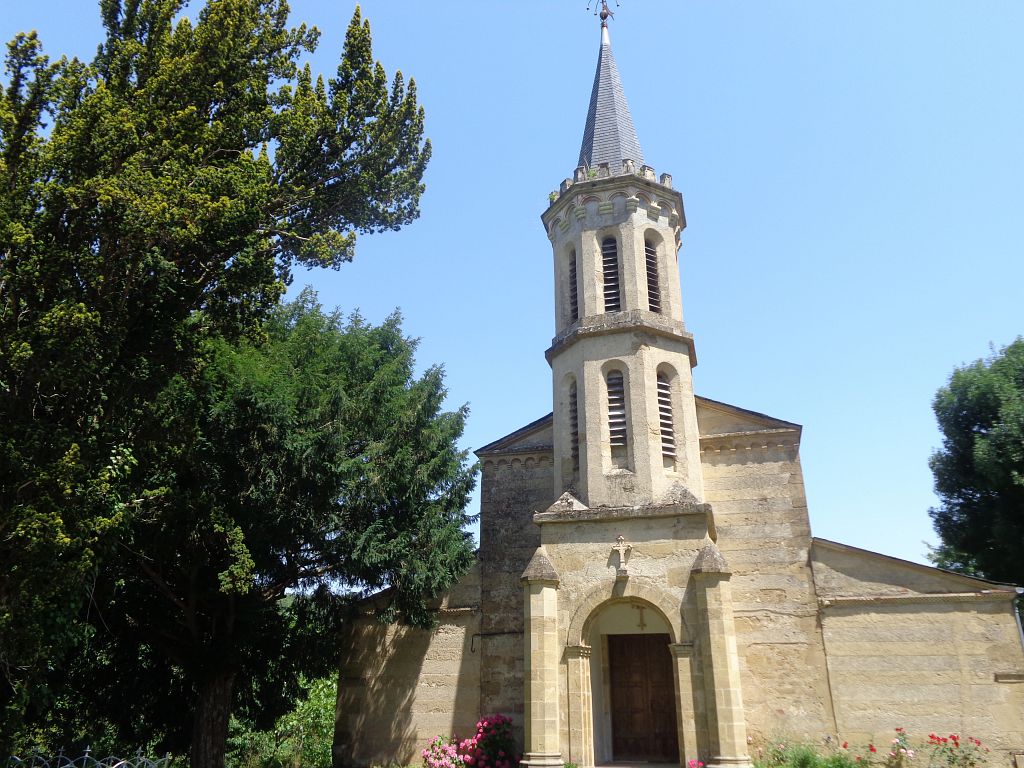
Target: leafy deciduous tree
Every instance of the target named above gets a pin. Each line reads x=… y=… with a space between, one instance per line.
x=979 y=471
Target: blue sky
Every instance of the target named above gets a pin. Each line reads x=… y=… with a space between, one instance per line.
x=854 y=184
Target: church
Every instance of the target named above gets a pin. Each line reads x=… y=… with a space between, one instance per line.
x=647 y=588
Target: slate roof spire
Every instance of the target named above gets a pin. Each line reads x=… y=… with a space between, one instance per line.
x=609 y=135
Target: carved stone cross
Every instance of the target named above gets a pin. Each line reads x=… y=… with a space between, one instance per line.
x=640 y=622
x=623 y=549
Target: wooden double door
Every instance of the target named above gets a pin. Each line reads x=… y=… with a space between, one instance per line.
x=643 y=705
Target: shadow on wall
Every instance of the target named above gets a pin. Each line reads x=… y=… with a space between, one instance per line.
x=374 y=706
x=400 y=687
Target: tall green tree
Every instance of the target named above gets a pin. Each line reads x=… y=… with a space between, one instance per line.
x=292 y=476
x=979 y=471
x=152 y=199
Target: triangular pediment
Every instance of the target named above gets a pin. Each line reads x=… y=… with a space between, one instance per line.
x=537 y=436
x=715 y=419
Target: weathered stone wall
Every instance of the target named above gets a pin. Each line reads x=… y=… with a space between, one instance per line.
x=399 y=687
x=755 y=485
x=513 y=487
x=927 y=666
x=913 y=647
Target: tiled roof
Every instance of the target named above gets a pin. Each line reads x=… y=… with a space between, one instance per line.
x=609 y=136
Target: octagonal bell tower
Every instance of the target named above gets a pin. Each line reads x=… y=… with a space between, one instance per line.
x=625 y=421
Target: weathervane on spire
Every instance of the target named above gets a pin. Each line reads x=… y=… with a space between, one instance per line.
x=602 y=10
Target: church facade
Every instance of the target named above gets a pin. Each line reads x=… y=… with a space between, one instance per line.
x=647 y=588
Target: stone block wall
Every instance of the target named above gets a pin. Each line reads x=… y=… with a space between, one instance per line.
x=927 y=665
x=512 y=488
x=917 y=648
x=755 y=486
x=400 y=687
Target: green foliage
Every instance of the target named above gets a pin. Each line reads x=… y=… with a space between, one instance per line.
x=791 y=755
x=896 y=752
x=296 y=473
x=152 y=201
x=979 y=471
x=303 y=737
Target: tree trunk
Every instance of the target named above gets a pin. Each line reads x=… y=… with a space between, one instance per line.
x=210 y=727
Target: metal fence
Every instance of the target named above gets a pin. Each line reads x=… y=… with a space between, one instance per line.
x=87 y=760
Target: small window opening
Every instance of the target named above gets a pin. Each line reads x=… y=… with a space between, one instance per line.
x=574 y=428
x=653 y=287
x=574 y=296
x=668 y=431
x=610 y=270
x=617 y=428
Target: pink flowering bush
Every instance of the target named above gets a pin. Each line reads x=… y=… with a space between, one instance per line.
x=494 y=745
x=491 y=746
x=442 y=753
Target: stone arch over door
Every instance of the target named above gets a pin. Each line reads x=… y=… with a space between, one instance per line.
x=669 y=605
x=578 y=652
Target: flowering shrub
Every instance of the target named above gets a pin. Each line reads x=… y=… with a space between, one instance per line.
x=952 y=752
x=442 y=753
x=491 y=747
x=943 y=752
x=494 y=746
x=900 y=754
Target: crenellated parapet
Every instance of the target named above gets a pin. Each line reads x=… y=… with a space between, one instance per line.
x=598 y=195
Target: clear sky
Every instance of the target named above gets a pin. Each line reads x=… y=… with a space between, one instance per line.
x=854 y=183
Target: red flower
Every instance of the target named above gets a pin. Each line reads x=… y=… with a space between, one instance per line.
x=871 y=748
x=846 y=745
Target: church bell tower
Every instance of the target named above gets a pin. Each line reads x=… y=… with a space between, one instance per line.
x=625 y=421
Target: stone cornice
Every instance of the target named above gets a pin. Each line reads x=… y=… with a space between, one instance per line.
x=524 y=450
x=764 y=439
x=458 y=611
x=632 y=320
x=681 y=650
x=984 y=596
x=578 y=651
x=600 y=514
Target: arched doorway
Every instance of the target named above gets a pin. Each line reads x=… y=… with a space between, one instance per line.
x=633 y=687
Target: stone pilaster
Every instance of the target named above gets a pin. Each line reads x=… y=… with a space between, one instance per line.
x=581 y=718
x=540 y=594
x=682 y=659
x=726 y=721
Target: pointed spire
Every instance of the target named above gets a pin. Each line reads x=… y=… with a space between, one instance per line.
x=609 y=135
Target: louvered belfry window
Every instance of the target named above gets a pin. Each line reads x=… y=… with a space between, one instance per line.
x=618 y=431
x=610 y=270
x=574 y=295
x=653 y=287
x=668 y=431
x=574 y=427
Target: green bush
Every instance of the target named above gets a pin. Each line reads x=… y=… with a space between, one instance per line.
x=300 y=739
